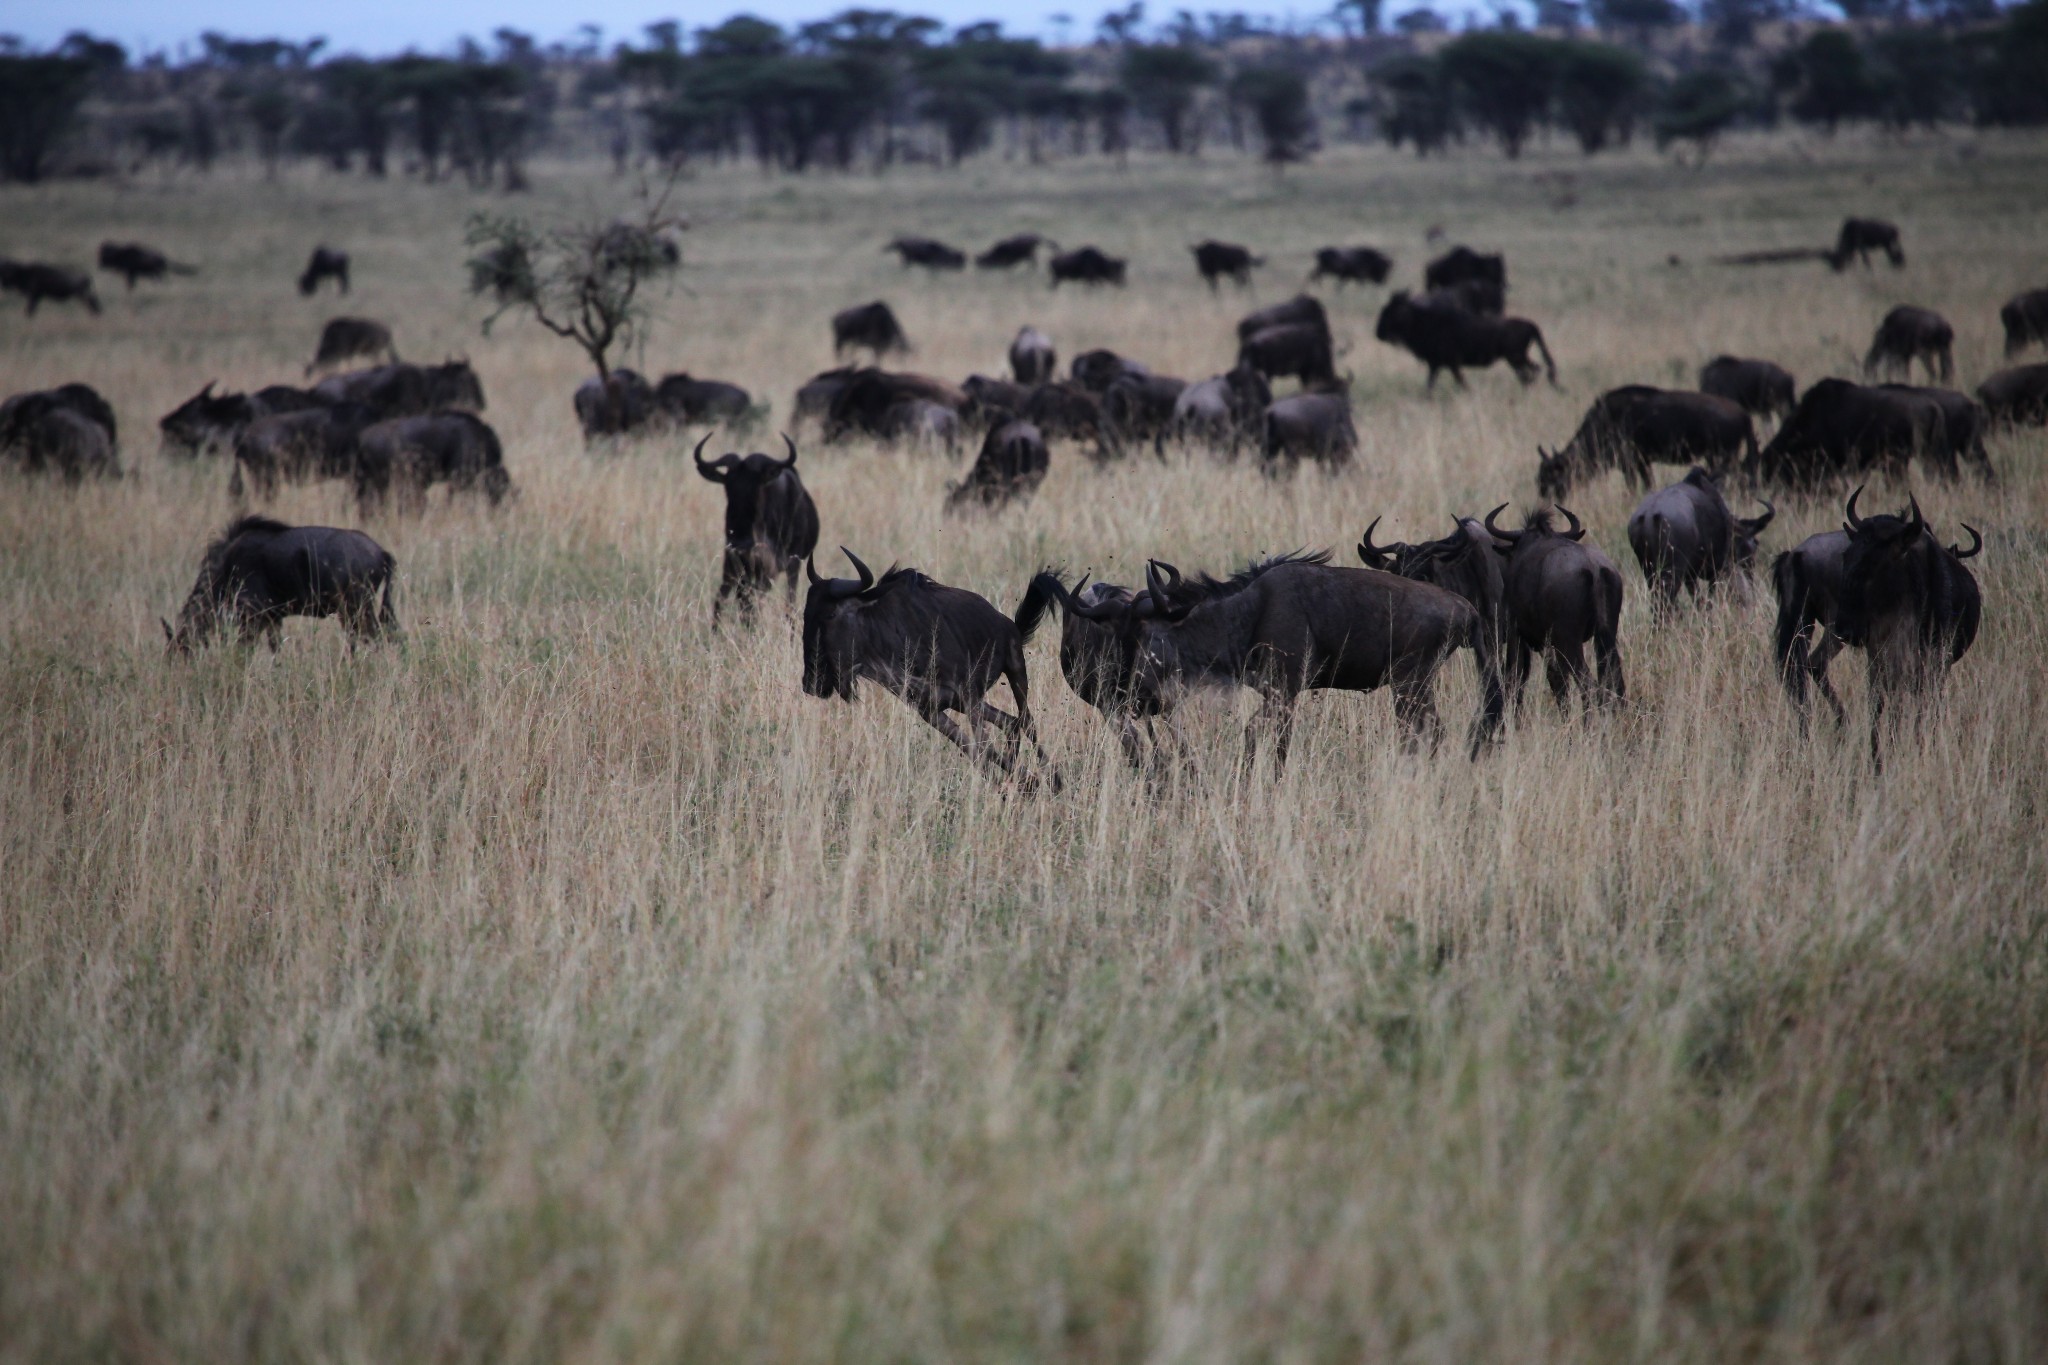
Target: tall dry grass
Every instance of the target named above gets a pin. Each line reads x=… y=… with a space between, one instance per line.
x=565 y=985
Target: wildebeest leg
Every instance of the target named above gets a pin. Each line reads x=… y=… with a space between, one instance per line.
x=1560 y=670
x=1948 y=364
x=1607 y=655
x=1277 y=711
x=972 y=747
x=1516 y=672
x=1459 y=375
x=1415 y=708
x=1817 y=661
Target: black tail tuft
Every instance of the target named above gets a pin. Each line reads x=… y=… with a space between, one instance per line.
x=1045 y=589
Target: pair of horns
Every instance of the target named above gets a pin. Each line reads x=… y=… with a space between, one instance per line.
x=706 y=466
x=1856 y=523
x=1577 y=532
x=841 y=588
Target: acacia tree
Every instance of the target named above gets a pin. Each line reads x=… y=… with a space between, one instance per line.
x=1163 y=81
x=1503 y=80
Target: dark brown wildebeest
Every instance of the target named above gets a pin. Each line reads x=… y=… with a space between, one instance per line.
x=2026 y=320
x=1012 y=464
x=36 y=281
x=1455 y=340
x=1634 y=426
x=1299 y=311
x=621 y=402
x=687 y=401
x=1758 y=387
x=307 y=446
x=1096 y=370
x=1351 y=265
x=771 y=524
x=69 y=429
x=1065 y=411
x=1908 y=334
x=1223 y=412
x=1301 y=350
x=1861 y=236
x=347 y=338
x=1462 y=264
x=1086 y=265
x=1961 y=424
x=991 y=402
x=1841 y=428
x=868 y=327
x=24 y=409
x=938 y=648
x=1686 y=539
x=133 y=261
x=324 y=264
x=814 y=398
x=260 y=571
x=2018 y=396
x=411 y=454
x=1092 y=658
x=1482 y=298
x=1137 y=409
x=1466 y=562
x=406 y=390
x=928 y=252
x=1225 y=261
x=209 y=421
x=1561 y=595
x=1313 y=425
x=1021 y=249
x=1032 y=357
x=890 y=406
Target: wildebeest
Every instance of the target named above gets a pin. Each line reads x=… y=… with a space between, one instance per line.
x=1480 y=297
x=1032 y=357
x=1137 y=409
x=2018 y=395
x=621 y=402
x=411 y=454
x=1096 y=370
x=870 y=327
x=1298 y=349
x=1462 y=263
x=36 y=281
x=771 y=524
x=1455 y=340
x=1021 y=249
x=347 y=338
x=938 y=648
x=1065 y=411
x=324 y=264
x=23 y=409
x=133 y=261
x=1861 y=236
x=208 y=421
x=1351 y=265
x=1092 y=657
x=2026 y=320
x=686 y=400
x=260 y=571
x=1224 y=260
x=69 y=430
x=307 y=446
x=1012 y=464
x=1561 y=595
x=1758 y=387
x=927 y=252
x=1314 y=424
x=1634 y=426
x=1466 y=562
x=1301 y=310
x=1686 y=539
x=892 y=406
x=1086 y=265
x=1842 y=428
x=814 y=398
x=991 y=402
x=406 y=390
x=1961 y=423
x=1908 y=334
x=1222 y=412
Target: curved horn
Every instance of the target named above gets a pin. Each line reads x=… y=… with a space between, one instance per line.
x=1578 y=531
x=1370 y=554
x=1509 y=536
x=708 y=469
x=1919 y=521
x=867 y=575
x=1976 y=544
x=789 y=463
x=1758 y=523
x=1172 y=574
x=1854 y=522
x=207 y=392
x=811 y=567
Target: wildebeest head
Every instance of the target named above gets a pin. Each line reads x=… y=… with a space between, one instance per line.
x=1394 y=317
x=1409 y=561
x=743 y=478
x=828 y=661
x=1536 y=526
x=455 y=385
x=1554 y=472
x=1893 y=564
x=202 y=417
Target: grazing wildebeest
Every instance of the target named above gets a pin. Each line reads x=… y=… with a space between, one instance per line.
x=1298 y=349
x=1462 y=264
x=2018 y=396
x=1758 y=387
x=1466 y=562
x=347 y=338
x=36 y=281
x=260 y=571
x=1012 y=463
x=1634 y=426
x=991 y=402
x=1861 y=236
x=21 y=411
x=1299 y=311
x=938 y=648
x=869 y=327
x=1136 y=409
x=927 y=252
x=1096 y=370
x=411 y=454
x=1960 y=423
x=2026 y=320
x=1455 y=340
x=1032 y=357
x=406 y=390
x=1065 y=411
x=1351 y=265
x=1086 y=265
x=133 y=261
x=890 y=406
x=1284 y=626
x=814 y=398
x=1224 y=260
x=621 y=402
x=922 y=422
x=1092 y=658
x=208 y=421
x=1908 y=334
x=1021 y=249
x=42 y=431
x=306 y=446
x=1686 y=539
x=686 y=400
x=1842 y=428
x=324 y=264
x=1561 y=594
x=1222 y=412
x=1314 y=424
x=771 y=524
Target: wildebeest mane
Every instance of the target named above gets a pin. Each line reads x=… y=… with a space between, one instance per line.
x=1207 y=589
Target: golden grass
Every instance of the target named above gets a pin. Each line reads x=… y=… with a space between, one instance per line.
x=566 y=985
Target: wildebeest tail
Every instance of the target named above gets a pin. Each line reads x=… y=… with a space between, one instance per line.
x=1045 y=589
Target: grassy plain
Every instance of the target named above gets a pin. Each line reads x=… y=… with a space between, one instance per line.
x=566 y=986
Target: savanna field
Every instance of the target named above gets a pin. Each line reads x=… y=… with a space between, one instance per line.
x=564 y=985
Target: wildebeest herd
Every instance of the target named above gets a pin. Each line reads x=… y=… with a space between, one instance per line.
x=1885 y=583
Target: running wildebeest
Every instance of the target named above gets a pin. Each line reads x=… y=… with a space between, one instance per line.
x=1315 y=425
x=133 y=261
x=411 y=454
x=324 y=264
x=1861 y=236
x=1686 y=539
x=36 y=281
x=1961 y=423
x=1225 y=260
x=1455 y=340
x=1758 y=387
x=68 y=429
x=1092 y=658
x=1223 y=412
x=771 y=524
x=1086 y=265
x=406 y=390
x=1137 y=409
x=1841 y=428
x=1021 y=249
x=1351 y=265
x=1634 y=426
x=2026 y=321
x=621 y=402
x=1462 y=264
x=260 y=571
x=1298 y=349
x=209 y=421
x=686 y=400
x=2018 y=396
x=938 y=648
x=927 y=252
x=347 y=338
x=1012 y=464
x=1908 y=334
x=868 y=327
x=1032 y=357
x=307 y=446
x=1561 y=595
x=1466 y=562
x=1299 y=311
x=1096 y=370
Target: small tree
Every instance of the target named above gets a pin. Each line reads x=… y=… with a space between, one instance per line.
x=1278 y=99
x=1599 y=92
x=1697 y=108
x=1163 y=81
x=1828 y=79
x=1413 y=97
x=1503 y=79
